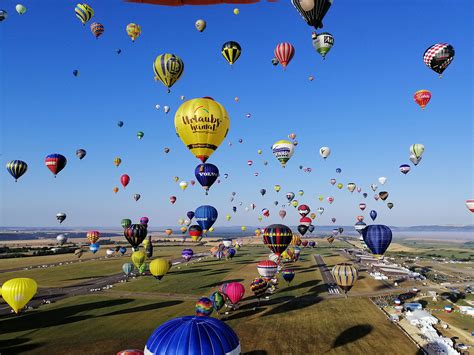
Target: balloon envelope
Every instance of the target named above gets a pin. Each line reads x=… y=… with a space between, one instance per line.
x=377 y=237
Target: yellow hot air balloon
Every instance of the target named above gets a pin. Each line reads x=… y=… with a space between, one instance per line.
x=183 y=185
x=138 y=258
x=145 y=243
x=236 y=11
x=294 y=203
x=244 y=228
x=183 y=229
x=18 y=292
x=296 y=240
x=202 y=124
x=84 y=12
x=133 y=31
x=228 y=217
x=168 y=68
x=257 y=232
x=321 y=197
x=159 y=267
x=345 y=276
x=277 y=188
x=117 y=161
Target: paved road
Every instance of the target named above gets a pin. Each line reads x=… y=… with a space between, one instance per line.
x=327 y=276
x=57 y=293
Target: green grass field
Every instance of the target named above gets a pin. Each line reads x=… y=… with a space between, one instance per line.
x=297 y=319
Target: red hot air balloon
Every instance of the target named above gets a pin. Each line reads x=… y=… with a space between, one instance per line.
x=235 y=291
x=306 y=221
x=284 y=52
x=124 y=179
x=173 y=199
x=55 y=163
x=360 y=218
x=303 y=210
x=422 y=97
x=362 y=206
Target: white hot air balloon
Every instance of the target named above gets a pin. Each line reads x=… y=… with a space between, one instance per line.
x=470 y=205
x=157 y=107
x=382 y=180
x=324 y=152
x=61 y=238
x=166 y=109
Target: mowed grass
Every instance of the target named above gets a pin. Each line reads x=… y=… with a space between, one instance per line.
x=69 y=274
x=299 y=318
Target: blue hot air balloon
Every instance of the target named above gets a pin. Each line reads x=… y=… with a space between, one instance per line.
x=373 y=215
x=122 y=250
x=377 y=237
x=190 y=214
x=206 y=174
x=128 y=268
x=338 y=170
x=120 y=123
x=205 y=216
x=94 y=248
x=231 y=252
x=193 y=335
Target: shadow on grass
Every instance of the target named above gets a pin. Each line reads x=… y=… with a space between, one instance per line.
x=18 y=345
x=189 y=271
x=309 y=283
x=217 y=272
x=221 y=282
x=146 y=307
x=352 y=334
x=53 y=317
x=245 y=314
x=86 y=278
x=256 y=352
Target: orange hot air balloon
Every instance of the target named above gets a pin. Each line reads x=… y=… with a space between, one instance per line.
x=422 y=97
x=168 y=232
x=116 y=189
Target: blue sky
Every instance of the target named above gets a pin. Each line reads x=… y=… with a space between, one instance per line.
x=360 y=104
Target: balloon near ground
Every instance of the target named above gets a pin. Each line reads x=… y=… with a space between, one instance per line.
x=345 y=275
x=18 y=292
x=202 y=124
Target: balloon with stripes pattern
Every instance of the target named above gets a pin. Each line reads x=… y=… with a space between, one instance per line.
x=55 y=163
x=97 y=29
x=168 y=68
x=313 y=11
x=345 y=276
x=231 y=51
x=277 y=237
x=84 y=12
x=133 y=31
x=377 y=237
x=17 y=168
x=284 y=52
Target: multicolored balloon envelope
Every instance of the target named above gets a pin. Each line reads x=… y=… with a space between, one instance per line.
x=438 y=57
x=193 y=335
x=135 y=234
x=345 y=276
x=277 y=237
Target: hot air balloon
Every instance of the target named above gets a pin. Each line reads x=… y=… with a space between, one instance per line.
x=377 y=237
x=133 y=31
x=195 y=232
x=390 y=205
x=470 y=205
x=312 y=11
x=324 y=152
x=75 y=72
x=302 y=229
x=120 y=123
x=55 y=163
x=345 y=276
x=144 y=221
x=124 y=180
x=322 y=42
x=259 y=287
x=206 y=174
x=3 y=15
x=330 y=239
x=235 y=292
x=168 y=232
x=167 y=109
x=97 y=29
x=267 y=269
x=340 y=230
x=359 y=226
x=284 y=52
x=126 y=223
x=414 y=159
x=159 y=267
x=417 y=150
x=338 y=170
x=218 y=300
x=438 y=57
x=205 y=216
x=382 y=180
x=330 y=199
x=303 y=210
x=362 y=206
x=187 y=254
x=340 y=186
x=172 y=199
x=202 y=125
x=422 y=97
x=117 y=162
x=282 y=214
x=136 y=197
x=21 y=9
x=283 y=150
x=84 y=12
x=193 y=335
x=231 y=51
x=168 y=68
x=405 y=169
x=266 y=212
x=200 y=25
x=351 y=186
x=140 y=134
x=93 y=236
x=61 y=238
x=17 y=168
x=94 y=248
x=183 y=185
x=61 y=217
x=18 y=292
x=277 y=237
x=320 y=210
x=288 y=275
x=135 y=234
x=333 y=220
x=277 y=188
x=138 y=258
x=204 y=307
x=333 y=182
x=383 y=195
x=127 y=268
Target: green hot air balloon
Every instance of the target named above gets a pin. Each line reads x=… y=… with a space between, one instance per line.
x=140 y=134
x=126 y=223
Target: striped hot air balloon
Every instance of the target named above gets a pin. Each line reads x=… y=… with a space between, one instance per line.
x=168 y=68
x=84 y=12
x=17 y=168
x=97 y=29
x=231 y=51
x=267 y=269
x=135 y=234
x=470 y=205
x=345 y=276
x=284 y=52
x=277 y=237
x=55 y=163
